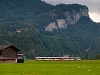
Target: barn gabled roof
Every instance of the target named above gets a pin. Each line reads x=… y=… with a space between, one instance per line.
x=2 y=47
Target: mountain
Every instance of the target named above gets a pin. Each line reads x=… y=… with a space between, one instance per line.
x=67 y=14
x=41 y=29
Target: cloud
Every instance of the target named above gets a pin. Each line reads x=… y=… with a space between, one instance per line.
x=95 y=16
x=93 y=5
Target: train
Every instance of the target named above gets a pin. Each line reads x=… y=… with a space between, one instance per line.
x=57 y=58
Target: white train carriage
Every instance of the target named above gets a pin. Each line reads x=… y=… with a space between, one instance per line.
x=57 y=58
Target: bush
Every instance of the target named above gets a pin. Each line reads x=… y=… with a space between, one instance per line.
x=97 y=57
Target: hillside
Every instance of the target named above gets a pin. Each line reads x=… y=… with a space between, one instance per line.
x=41 y=29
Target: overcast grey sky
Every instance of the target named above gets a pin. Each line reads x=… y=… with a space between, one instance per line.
x=93 y=5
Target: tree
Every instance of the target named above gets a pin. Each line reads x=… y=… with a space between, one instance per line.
x=97 y=57
x=87 y=55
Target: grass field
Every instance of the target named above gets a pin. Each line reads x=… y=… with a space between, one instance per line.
x=31 y=67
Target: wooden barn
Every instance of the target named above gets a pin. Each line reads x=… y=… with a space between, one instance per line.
x=8 y=53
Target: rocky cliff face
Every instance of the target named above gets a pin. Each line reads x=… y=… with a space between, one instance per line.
x=61 y=23
x=51 y=26
x=71 y=17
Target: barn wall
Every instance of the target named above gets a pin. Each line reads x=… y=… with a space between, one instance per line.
x=8 y=61
x=1 y=61
x=9 y=52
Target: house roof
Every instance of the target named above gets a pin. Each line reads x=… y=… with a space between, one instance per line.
x=2 y=47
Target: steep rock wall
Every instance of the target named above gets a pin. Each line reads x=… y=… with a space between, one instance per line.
x=71 y=17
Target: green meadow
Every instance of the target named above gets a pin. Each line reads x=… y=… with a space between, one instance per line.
x=32 y=67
